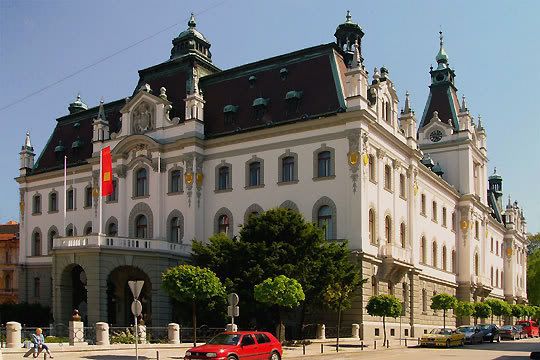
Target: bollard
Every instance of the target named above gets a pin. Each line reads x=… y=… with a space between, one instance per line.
x=173 y=330
x=13 y=335
x=157 y=355
x=418 y=341
x=375 y=345
x=355 y=331
x=405 y=342
x=102 y=334
x=303 y=349
x=387 y=344
x=322 y=348
x=44 y=356
x=321 y=332
x=362 y=346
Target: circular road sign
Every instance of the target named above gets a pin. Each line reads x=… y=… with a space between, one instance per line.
x=233 y=299
x=136 y=307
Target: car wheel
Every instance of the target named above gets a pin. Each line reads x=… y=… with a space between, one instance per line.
x=498 y=339
x=232 y=357
x=275 y=356
x=462 y=343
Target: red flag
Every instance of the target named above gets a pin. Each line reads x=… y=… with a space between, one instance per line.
x=106 y=172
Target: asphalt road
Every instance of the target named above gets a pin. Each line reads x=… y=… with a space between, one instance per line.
x=506 y=350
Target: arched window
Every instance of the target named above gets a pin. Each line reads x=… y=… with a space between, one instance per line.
x=454 y=219
x=112 y=229
x=497 y=278
x=255 y=173
x=36 y=204
x=372 y=234
x=402 y=185
x=70 y=230
x=388 y=229
x=223 y=224
x=70 y=201
x=444 y=216
x=444 y=258
x=324 y=164
x=224 y=178
x=175 y=228
x=372 y=168
x=423 y=250
x=476 y=265
x=434 y=256
x=434 y=211
x=374 y=286
x=175 y=181
x=476 y=230
x=141 y=184
x=324 y=221
x=387 y=177
x=287 y=169
x=88 y=196
x=50 y=239
x=7 y=282
x=141 y=227
x=454 y=261
x=88 y=230
x=388 y=112
x=491 y=276
x=423 y=204
x=36 y=248
x=402 y=235
x=502 y=279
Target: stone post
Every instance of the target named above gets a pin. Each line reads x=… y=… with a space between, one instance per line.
x=76 y=329
x=142 y=333
x=102 y=333
x=174 y=333
x=13 y=334
x=355 y=331
x=321 y=332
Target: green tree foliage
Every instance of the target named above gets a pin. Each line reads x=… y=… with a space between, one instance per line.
x=190 y=285
x=275 y=242
x=338 y=296
x=499 y=308
x=443 y=302
x=533 y=270
x=518 y=311
x=385 y=306
x=282 y=292
x=481 y=311
x=463 y=309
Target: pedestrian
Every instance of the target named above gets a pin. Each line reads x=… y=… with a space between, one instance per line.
x=39 y=343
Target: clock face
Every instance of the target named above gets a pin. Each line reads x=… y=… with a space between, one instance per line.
x=436 y=135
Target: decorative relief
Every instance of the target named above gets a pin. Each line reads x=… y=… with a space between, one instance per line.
x=189 y=177
x=381 y=153
x=21 y=203
x=121 y=171
x=142 y=119
x=354 y=156
x=198 y=177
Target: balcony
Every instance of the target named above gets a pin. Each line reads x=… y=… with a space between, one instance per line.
x=396 y=262
x=8 y=292
x=115 y=242
x=481 y=285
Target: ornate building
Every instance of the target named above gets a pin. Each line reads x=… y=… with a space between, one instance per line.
x=9 y=257
x=197 y=149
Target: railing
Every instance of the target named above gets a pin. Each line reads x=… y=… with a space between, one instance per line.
x=120 y=242
x=480 y=280
x=396 y=252
x=11 y=291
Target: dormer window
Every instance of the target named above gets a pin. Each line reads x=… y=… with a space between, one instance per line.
x=77 y=144
x=259 y=106
x=252 y=79
x=283 y=73
x=59 y=150
x=229 y=114
x=292 y=98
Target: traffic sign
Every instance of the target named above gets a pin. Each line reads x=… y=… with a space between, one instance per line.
x=136 y=287
x=233 y=299
x=233 y=311
x=136 y=307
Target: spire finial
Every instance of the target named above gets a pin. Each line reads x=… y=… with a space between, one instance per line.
x=27 y=143
x=192 y=23
x=442 y=58
x=463 y=104
x=101 y=111
x=407 y=108
x=348 y=17
x=480 y=122
x=441 y=37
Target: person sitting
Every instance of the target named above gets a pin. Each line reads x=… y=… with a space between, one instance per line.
x=39 y=343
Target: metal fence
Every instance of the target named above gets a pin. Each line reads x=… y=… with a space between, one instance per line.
x=344 y=332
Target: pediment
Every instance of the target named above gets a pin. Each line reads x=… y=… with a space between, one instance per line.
x=436 y=126
x=137 y=143
x=143 y=96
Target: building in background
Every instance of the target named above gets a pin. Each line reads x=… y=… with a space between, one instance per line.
x=9 y=258
x=196 y=150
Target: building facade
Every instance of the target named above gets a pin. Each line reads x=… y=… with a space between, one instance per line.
x=9 y=257
x=197 y=149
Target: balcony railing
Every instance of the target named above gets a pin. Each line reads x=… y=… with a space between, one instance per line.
x=103 y=241
x=395 y=252
x=480 y=280
x=8 y=291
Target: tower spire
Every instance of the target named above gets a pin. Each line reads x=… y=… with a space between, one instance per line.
x=27 y=143
x=442 y=57
x=407 y=108
x=101 y=112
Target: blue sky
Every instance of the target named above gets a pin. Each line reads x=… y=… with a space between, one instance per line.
x=492 y=45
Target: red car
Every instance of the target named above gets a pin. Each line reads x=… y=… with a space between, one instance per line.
x=530 y=327
x=249 y=345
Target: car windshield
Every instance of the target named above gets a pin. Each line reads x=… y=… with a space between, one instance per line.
x=441 y=331
x=507 y=327
x=464 y=329
x=225 y=339
x=484 y=326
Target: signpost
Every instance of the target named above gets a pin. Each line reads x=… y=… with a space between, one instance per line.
x=233 y=310
x=136 y=309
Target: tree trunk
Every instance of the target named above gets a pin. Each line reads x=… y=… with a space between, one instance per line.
x=444 y=318
x=338 y=326
x=384 y=330
x=280 y=326
x=492 y=317
x=194 y=320
x=302 y=320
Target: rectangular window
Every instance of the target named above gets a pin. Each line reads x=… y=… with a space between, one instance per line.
x=176 y=181
x=454 y=221
x=53 y=202
x=288 y=169
x=255 y=174
x=387 y=178
x=36 y=206
x=372 y=169
x=377 y=332
x=36 y=287
x=423 y=204
x=70 y=199
x=402 y=185
x=392 y=332
x=223 y=178
x=114 y=195
x=444 y=216
x=434 y=214
x=324 y=165
x=88 y=196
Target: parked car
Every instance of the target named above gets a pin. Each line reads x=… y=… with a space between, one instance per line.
x=443 y=337
x=490 y=332
x=530 y=327
x=510 y=332
x=521 y=331
x=471 y=333
x=238 y=345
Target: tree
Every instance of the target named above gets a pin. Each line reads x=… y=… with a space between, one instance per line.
x=481 y=311
x=384 y=305
x=191 y=284
x=534 y=243
x=498 y=308
x=272 y=243
x=282 y=292
x=443 y=302
x=463 y=309
x=518 y=311
x=338 y=296
x=533 y=270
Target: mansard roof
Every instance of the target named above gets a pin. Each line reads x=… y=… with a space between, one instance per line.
x=75 y=129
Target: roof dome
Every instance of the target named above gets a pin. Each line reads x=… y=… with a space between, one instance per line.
x=190 y=40
x=495 y=176
x=77 y=106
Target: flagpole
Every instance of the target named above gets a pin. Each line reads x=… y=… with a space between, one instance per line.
x=65 y=193
x=100 y=191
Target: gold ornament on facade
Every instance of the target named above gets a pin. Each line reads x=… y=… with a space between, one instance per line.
x=199 y=178
x=189 y=178
x=365 y=159
x=464 y=224
x=353 y=157
x=415 y=188
x=21 y=207
x=95 y=192
x=509 y=252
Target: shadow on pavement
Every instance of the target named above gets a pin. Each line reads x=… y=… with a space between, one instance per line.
x=115 y=357
x=507 y=346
